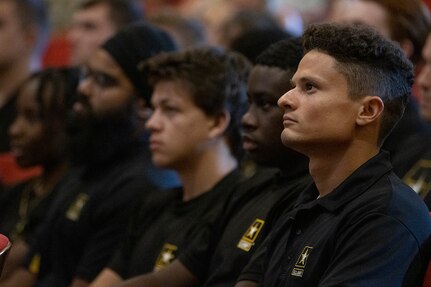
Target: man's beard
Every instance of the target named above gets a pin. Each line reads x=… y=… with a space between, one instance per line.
x=94 y=140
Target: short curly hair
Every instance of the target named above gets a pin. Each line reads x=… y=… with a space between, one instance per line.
x=372 y=65
x=216 y=79
x=285 y=54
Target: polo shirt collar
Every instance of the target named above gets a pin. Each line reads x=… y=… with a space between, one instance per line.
x=353 y=186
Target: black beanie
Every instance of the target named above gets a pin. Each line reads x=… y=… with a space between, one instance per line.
x=134 y=44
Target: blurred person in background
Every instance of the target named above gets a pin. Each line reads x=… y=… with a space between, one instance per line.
x=94 y=21
x=38 y=138
x=23 y=34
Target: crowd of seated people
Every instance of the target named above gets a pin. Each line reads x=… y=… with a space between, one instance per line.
x=209 y=143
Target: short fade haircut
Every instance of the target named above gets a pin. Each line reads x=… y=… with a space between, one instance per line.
x=285 y=55
x=121 y=12
x=371 y=64
x=215 y=78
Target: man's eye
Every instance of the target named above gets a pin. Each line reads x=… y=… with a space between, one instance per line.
x=104 y=80
x=101 y=79
x=265 y=104
x=308 y=86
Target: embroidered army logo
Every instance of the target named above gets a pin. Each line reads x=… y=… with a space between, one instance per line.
x=74 y=211
x=299 y=268
x=166 y=256
x=419 y=177
x=249 y=237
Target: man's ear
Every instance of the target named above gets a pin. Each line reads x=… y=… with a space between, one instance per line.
x=143 y=110
x=220 y=124
x=370 y=110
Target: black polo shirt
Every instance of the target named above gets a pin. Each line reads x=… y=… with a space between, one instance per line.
x=245 y=228
x=164 y=225
x=366 y=232
x=22 y=212
x=89 y=217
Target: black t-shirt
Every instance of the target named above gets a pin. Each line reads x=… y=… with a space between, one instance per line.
x=405 y=141
x=22 y=212
x=217 y=257
x=369 y=231
x=413 y=165
x=164 y=224
x=88 y=218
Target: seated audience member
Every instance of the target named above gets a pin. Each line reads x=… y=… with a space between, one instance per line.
x=23 y=34
x=254 y=42
x=217 y=254
x=199 y=98
x=419 y=176
x=188 y=33
x=94 y=22
x=244 y=21
x=114 y=169
x=406 y=22
x=38 y=138
x=358 y=224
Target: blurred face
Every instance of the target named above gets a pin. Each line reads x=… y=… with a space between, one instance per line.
x=180 y=131
x=424 y=81
x=363 y=12
x=14 y=38
x=33 y=142
x=263 y=122
x=318 y=113
x=105 y=89
x=90 y=29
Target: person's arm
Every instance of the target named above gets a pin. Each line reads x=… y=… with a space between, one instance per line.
x=107 y=278
x=173 y=275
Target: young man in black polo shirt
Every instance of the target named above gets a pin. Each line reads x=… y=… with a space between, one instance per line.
x=217 y=253
x=199 y=98
x=358 y=225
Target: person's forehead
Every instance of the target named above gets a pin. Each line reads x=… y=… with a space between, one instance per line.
x=97 y=12
x=101 y=60
x=366 y=12
x=316 y=59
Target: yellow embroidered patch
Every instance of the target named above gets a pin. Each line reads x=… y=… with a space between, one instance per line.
x=250 y=236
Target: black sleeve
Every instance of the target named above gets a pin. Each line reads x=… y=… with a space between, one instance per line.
x=198 y=256
x=255 y=268
x=144 y=214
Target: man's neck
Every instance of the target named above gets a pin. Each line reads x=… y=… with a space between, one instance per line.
x=10 y=78
x=329 y=168
x=203 y=172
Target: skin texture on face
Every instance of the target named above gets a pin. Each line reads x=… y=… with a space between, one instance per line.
x=105 y=88
x=33 y=142
x=317 y=111
x=424 y=81
x=180 y=131
x=14 y=38
x=262 y=123
x=363 y=12
x=90 y=29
